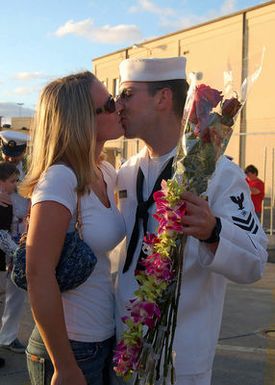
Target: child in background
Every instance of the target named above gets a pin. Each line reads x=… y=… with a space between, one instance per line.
x=257 y=188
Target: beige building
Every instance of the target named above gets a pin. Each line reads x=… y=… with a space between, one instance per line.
x=21 y=123
x=233 y=42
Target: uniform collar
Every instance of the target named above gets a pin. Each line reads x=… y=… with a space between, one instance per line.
x=144 y=159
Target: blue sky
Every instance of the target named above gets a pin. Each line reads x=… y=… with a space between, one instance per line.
x=41 y=40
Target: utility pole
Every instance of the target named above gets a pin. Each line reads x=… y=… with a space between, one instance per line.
x=243 y=128
x=20 y=108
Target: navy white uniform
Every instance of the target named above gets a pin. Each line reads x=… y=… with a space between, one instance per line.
x=240 y=257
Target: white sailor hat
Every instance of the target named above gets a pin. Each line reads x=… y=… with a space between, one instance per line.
x=152 y=70
x=13 y=143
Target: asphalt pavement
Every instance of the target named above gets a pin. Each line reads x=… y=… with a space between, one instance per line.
x=246 y=349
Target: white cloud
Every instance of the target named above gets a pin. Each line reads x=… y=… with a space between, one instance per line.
x=227 y=7
x=182 y=22
x=149 y=6
x=169 y=19
x=105 y=34
x=30 y=75
x=24 y=90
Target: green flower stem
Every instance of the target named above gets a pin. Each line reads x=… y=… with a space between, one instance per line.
x=165 y=365
x=180 y=256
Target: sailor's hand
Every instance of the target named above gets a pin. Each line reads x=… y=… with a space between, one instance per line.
x=199 y=221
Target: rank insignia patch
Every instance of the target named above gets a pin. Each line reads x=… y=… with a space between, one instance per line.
x=238 y=200
x=248 y=224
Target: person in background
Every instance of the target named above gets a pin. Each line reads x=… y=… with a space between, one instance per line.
x=219 y=248
x=13 y=148
x=8 y=182
x=7 y=171
x=257 y=188
x=73 y=338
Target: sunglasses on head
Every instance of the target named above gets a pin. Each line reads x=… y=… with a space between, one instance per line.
x=109 y=106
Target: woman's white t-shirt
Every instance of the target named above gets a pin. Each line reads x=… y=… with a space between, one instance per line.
x=88 y=309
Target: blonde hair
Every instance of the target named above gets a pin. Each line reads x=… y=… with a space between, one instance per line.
x=64 y=131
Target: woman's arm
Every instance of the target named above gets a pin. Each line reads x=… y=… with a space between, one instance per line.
x=49 y=222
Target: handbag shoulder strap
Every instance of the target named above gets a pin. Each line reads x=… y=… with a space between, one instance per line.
x=78 y=223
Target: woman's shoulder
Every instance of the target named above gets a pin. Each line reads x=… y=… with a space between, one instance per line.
x=58 y=183
x=61 y=169
x=58 y=173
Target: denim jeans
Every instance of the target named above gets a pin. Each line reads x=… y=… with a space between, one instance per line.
x=93 y=358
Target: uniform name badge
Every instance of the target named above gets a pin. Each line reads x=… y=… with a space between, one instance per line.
x=122 y=194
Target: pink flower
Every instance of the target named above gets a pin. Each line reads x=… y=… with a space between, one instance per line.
x=170 y=219
x=180 y=210
x=150 y=239
x=159 y=195
x=161 y=201
x=144 y=312
x=158 y=267
x=126 y=357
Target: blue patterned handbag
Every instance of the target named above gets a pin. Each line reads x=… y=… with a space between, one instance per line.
x=76 y=263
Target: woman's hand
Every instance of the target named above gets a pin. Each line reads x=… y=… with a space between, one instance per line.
x=71 y=376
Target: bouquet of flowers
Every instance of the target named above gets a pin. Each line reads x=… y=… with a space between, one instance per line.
x=146 y=348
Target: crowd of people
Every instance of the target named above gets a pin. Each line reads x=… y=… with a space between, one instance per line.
x=76 y=330
x=13 y=213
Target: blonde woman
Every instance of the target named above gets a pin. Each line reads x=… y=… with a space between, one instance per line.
x=73 y=337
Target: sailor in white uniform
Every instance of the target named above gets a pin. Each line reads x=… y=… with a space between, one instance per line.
x=225 y=242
